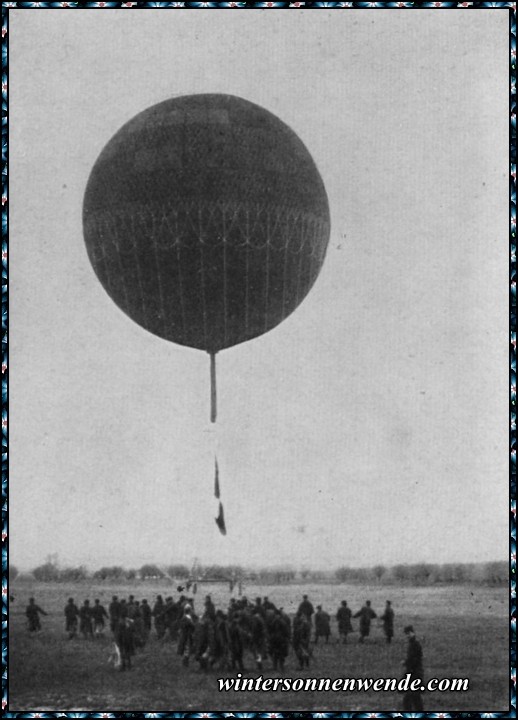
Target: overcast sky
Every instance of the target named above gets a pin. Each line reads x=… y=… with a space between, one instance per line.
x=371 y=425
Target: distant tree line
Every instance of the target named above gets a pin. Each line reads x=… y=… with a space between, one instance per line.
x=490 y=573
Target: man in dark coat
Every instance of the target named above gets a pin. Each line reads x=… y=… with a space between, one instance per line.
x=125 y=640
x=279 y=634
x=98 y=615
x=186 y=634
x=301 y=638
x=139 y=629
x=131 y=608
x=343 y=618
x=33 y=613
x=322 y=624
x=146 y=615
x=366 y=614
x=413 y=663
x=258 y=636
x=236 y=641
x=210 y=609
x=71 y=615
x=388 y=621
x=158 y=614
x=85 y=620
x=306 y=608
x=114 y=610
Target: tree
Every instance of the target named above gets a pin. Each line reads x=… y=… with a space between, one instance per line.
x=151 y=572
x=73 y=574
x=495 y=573
x=420 y=573
x=115 y=572
x=400 y=573
x=46 y=573
x=178 y=571
x=342 y=574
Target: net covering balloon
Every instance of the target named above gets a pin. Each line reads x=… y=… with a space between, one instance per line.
x=206 y=220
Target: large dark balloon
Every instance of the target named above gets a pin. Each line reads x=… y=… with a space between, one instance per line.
x=206 y=220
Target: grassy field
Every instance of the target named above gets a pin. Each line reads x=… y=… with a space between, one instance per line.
x=463 y=630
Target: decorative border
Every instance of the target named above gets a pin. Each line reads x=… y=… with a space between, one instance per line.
x=6 y=6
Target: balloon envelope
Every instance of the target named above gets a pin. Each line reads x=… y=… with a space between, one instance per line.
x=206 y=220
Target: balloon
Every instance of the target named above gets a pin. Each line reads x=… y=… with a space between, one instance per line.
x=206 y=220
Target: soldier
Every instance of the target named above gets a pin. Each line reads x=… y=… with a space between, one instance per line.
x=203 y=639
x=258 y=636
x=124 y=638
x=366 y=614
x=322 y=624
x=220 y=650
x=139 y=630
x=158 y=614
x=172 y=615
x=388 y=621
x=306 y=608
x=343 y=617
x=185 y=639
x=123 y=608
x=146 y=615
x=232 y=608
x=131 y=608
x=412 y=699
x=236 y=641
x=85 y=620
x=301 y=638
x=114 y=610
x=71 y=615
x=98 y=615
x=33 y=613
x=280 y=632
x=210 y=610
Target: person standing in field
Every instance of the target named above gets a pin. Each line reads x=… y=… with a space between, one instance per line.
x=322 y=624
x=146 y=616
x=158 y=614
x=413 y=664
x=343 y=618
x=33 y=613
x=258 y=637
x=114 y=610
x=125 y=641
x=131 y=608
x=301 y=638
x=210 y=609
x=366 y=614
x=98 y=615
x=388 y=621
x=85 y=620
x=306 y=608
x=71 y=615
x=186 y=635
x=279 y=634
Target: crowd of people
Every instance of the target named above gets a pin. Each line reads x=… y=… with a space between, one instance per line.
x=218 y=638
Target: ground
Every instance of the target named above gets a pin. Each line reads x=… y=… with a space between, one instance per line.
x=464 y=631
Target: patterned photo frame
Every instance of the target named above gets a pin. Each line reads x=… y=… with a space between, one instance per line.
x=506 y=7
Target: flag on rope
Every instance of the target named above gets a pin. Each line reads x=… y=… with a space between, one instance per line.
x=220 y=520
